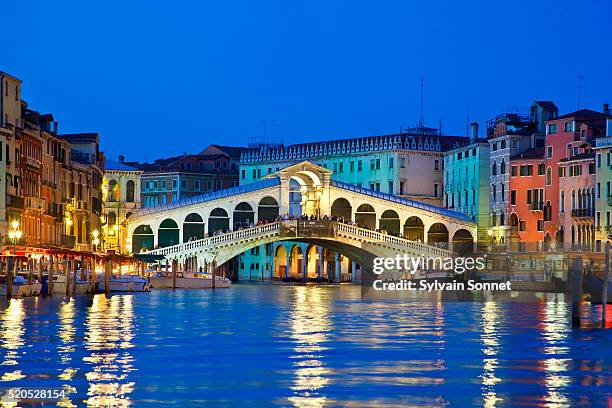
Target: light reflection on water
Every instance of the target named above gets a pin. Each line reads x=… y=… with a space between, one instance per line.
x=302 y=346
x=108 y=338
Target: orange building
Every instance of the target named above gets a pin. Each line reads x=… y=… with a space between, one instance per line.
x=527 y=173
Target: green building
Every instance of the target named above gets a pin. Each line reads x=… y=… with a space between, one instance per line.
x=466 y=180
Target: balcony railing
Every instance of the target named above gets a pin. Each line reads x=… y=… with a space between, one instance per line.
x=15 y=202
x=67 y=240
x=582 y=212
x=35 y=203
x=537 y=206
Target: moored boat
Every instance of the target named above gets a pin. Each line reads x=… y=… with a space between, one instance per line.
x=161 y=280
x=125 y=283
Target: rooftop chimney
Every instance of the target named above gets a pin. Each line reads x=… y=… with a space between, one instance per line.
x=473 y=131
x=121 y=158
x=606 y=109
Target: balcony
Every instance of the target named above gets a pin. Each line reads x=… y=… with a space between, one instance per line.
x=536 y=206
x=582 y=213
x=67 y=241
x=32 y=162
x=14 y=202
x=35 y=203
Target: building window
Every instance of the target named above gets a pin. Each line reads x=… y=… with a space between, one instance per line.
x=196 y=185
x=359 y=165
x=568 y=126
x=243 y=174
x=562 y=202
x=402 y=162
x=591 y=168
x=494 y=169
x=522 y=225
x=435 y=190
x=352 y=166
x=129 y=191
x=549 y=176
x=391 y=162
x=503 y=144
x=495 y=146
x=377 y=164
x=436 y=164
x=552 y=129
x=540 y=225
x=391 y=188
x=513 y=171
x=502 y=167
x=513 y=197
x=549 y=152
x=541 y=169
x=341 y=167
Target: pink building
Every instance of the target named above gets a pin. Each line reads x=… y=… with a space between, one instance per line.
x=577 y=198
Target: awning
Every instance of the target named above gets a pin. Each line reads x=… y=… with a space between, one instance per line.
x=149 y=257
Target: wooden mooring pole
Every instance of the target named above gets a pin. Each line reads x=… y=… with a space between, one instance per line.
x=107 y=273
x=93 y=288
x=9 y=277
x=50 y=276
x=575 y=275
x=73 y=262
x=604 y=295
x=67 y=274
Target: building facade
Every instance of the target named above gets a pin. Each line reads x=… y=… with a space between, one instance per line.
x=526 y=223
x=511 y=133
x=569 y=138
x=169 y=180
x=466 y=181
x=122 y=200
x=51 y=182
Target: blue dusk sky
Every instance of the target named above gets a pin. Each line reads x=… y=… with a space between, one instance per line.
x=163 y=78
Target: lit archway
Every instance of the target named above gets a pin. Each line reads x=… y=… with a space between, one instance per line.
x=313 y=262
x=295 y=262
x=142 y=239
x=414 y=230
x=280 y=262
x=244 y=216
x=193 y=227
x=390 y=222
x=168 y=233
x=218 y=221
x=437 y=234
x=341 y=208
x=267 y=210
x=365 y=216
x=463 y=241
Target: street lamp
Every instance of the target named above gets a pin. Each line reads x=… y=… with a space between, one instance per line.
x=14 y=234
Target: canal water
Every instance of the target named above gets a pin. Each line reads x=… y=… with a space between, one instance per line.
x=304 y=346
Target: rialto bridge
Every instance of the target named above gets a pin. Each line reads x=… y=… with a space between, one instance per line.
x=344 y=220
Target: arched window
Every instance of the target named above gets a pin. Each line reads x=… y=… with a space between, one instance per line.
x=129 y=191
x=112 y=190
x=111 y=219
x=562 y=200
x=494 y=169
x=502 y=167
x=573 y=199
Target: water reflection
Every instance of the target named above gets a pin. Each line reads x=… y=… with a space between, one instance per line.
x=12 y=339
x=489 y=337
x=108 y=336
x=66 y=347
x=555 y=331
x=310 y=327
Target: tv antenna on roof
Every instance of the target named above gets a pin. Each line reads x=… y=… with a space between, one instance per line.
x=579 y=86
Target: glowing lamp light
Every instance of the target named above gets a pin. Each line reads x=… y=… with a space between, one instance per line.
x=69 y=221
x=15 y=224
